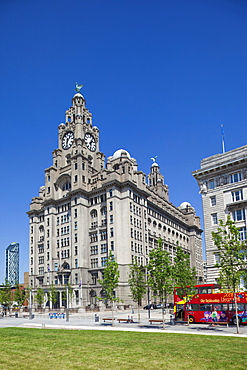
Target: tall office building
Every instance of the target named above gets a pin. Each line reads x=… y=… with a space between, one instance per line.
x=222 y=179
x=88 y=207
x=12 y=263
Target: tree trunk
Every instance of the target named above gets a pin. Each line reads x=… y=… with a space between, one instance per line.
x=236 y=311
x=163 y=316
x=138 y=310
x=112 y=309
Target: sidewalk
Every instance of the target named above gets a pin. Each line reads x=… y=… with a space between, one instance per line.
x=86 y=321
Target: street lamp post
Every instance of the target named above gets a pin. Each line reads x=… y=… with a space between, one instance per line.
x=30 y=304
x=67 y=306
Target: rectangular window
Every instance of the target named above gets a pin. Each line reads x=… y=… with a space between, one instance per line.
x=211 y=184
x=41 y=270
x=94 y=263
x=112 y=245
x=236 y=177
x=94 y=249
x=111 y=232
x=111 y=219
x=238 y=215
x=213 y=201
x=217 y=258
x=103 y=248
x=237 y=195
x=111 y=206
x=103 y=261
x=93 y=237
x=76 y=250
x=214 y=219
x=76 y=263
x=243 y=233
x=103 y=235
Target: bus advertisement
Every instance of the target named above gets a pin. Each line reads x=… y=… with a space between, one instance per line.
x=210 y=305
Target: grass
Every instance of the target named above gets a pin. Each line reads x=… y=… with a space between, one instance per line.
x=78 y=349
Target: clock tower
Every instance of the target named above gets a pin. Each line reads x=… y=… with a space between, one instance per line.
x=87 y=209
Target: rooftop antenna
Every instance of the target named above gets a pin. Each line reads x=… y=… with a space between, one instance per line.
x=222 y=138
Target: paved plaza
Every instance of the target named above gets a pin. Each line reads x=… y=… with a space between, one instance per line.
x=87 y=321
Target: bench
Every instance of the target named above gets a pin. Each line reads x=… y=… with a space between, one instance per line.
x=155 y=320
x=107 y=319
x=125 y=320
x=216 y=323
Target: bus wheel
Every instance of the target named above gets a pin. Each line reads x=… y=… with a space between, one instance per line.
x=234 y=320
x=191 y=319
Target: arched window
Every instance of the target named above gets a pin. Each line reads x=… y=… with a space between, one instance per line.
x=94 y=213
x=67 y=186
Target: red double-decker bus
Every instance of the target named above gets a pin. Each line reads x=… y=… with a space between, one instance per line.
x=209 y=304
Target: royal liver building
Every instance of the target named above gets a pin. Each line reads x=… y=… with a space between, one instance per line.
x=90 y=206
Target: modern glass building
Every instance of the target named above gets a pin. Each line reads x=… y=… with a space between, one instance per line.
x=12 y=263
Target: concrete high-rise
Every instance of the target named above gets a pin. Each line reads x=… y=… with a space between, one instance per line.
x=222 y=180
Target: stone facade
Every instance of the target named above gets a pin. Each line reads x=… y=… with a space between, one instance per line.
x=87 y=208
x=222 y=180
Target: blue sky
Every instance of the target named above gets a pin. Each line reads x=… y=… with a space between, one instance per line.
x=159 y=76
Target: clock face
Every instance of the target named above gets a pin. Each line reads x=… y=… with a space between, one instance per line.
x=68 y=139
x=90 y=142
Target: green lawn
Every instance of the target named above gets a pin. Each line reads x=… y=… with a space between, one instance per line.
x=78 y=349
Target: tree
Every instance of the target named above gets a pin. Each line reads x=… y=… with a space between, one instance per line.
x=5 y=295
x=110 y=281
x=160 y=274
x=184 y=276
x=137 y=284
x=19 y=294
x=40 y=297
x=231 y=255
x=53 y=294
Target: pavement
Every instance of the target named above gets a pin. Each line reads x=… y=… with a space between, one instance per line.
x=86 y=321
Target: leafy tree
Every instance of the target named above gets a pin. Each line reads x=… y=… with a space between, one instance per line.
x=110 y=281
x=5 y=294
x=137 y=284
x=19 y=294
x=231 y=258
x=53 y=294
x=160 y=274
x=183 y=275
x=40 y=297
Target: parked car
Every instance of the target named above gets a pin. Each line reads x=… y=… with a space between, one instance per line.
x=150 y=306
x=160 y=305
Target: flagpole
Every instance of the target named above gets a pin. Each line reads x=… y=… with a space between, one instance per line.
x=222 y=138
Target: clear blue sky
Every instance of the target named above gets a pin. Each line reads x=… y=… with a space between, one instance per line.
x=159 y=77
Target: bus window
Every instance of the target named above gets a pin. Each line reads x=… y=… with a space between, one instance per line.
x=205 y=307
x=205 y=290
x=224 y=307
x=240 y=307
x=192 y=307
